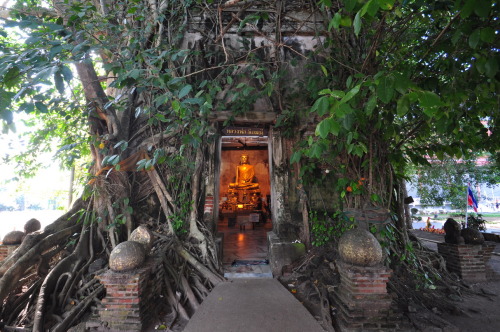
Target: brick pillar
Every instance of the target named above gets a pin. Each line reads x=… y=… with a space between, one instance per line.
x=362 y=300
x=132 y=297
x=487 y=252
x=469 y=261
x=6 y=250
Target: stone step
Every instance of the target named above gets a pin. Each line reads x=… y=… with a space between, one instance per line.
x=247 y=271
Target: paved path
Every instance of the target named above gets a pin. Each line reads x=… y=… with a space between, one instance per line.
x=252 y=305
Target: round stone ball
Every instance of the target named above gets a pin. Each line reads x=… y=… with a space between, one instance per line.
x=14 y=237
x=126 y=256
x=144 y=236
x=359 y=247
x=472 y=236
x=32 y=225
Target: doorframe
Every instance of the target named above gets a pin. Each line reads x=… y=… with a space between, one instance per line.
x=218 y=166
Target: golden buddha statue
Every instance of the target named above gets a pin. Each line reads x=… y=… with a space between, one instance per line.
x=244 y=175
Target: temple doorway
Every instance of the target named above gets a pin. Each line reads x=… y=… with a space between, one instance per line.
x=244 y=202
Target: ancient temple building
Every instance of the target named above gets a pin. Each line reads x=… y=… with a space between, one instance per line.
x=289 y=33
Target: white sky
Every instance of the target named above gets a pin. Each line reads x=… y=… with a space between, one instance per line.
x=38 y=189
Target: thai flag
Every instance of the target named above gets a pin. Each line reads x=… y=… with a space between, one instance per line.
x=471 y=201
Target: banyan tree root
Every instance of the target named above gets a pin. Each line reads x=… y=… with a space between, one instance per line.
x=27 y=261
x=50 y=298
x=424 y=279
x=57 y=297
x=187 y=281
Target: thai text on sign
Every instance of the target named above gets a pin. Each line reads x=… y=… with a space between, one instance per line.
x=243 y=131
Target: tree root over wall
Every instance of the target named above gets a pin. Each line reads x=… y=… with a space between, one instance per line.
x=48 y=283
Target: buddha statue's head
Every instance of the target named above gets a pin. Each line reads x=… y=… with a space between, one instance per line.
x=244 y=159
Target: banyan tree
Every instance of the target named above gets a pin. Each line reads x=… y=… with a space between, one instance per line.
x=349 y=93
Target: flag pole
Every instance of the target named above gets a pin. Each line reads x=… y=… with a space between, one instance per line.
x=466 y=203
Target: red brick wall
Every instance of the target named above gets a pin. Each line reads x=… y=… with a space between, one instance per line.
x=131 y=297
x=6 y=250
x=466 y=260
x=362 y=300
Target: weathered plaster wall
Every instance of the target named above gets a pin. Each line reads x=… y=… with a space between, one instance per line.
x=284 y=41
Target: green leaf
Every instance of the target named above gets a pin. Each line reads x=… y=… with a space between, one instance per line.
x=67 y=73
x=468 y=8
x=122 y=144
x=335 y=21
x=321 y=106
x=401 y=83
x=429 y=99
x=323 y=128
x=456 y=37
x=41 y=107
x=350 y=4
x=491 y=67
x=32 y=40
x=349 y=95
x=134 y=73
x=474 y=38
x=55 y=50
x=403 y=105
x=357 y=24
x=82 y=47
x=296 y=157
x=337 y=94
x=348 y=121
x=27 y=107
x=370 y=105
x=346 y=21
x=12 y=77
x=440 y=155
x=323 y=69
x=45 y=73
x=364 y=9
x=483 y=10
x=335 y=128
x=342 y=110
x=430 y=111
x=317 y=150
x=58 y=79
x=6 y=115
x=385 y=89
x=386 y=4
x=348 y=81
x=185 y=91
x=488 y=35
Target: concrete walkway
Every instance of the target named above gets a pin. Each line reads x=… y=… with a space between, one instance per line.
x=252 y=305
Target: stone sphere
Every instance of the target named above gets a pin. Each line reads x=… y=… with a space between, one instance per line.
x=472 y=236
x=359 y=247
x=32 y=225
x=126 y=256
x=144 y=236
x=14 y=237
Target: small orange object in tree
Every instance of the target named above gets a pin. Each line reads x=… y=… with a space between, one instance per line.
x=349 y=189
